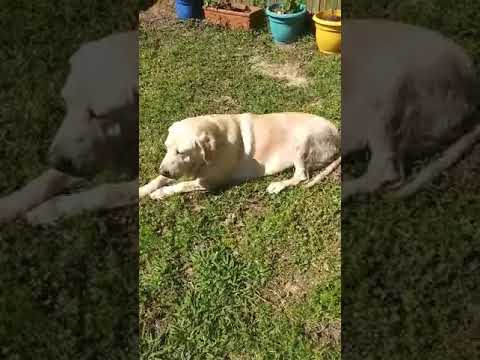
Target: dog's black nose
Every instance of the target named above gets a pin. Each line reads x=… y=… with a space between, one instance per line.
x=63 y=164
x=165 y=173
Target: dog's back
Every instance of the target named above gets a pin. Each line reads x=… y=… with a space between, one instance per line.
x=405 y=85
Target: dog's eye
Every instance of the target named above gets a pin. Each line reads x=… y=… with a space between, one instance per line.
x=91 y=113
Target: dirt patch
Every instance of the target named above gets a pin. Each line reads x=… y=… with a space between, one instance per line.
x=290 y=287
x=238 y=356
x=225 y=104
x=324 y=333
x=250 y=206
x=155 y=321
x=289 y=72
x=162 y=9
x=293 y=287
x=317 y=103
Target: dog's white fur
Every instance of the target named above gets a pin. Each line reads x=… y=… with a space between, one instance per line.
x=405 y=89
x=103 y=75
x=225 y=149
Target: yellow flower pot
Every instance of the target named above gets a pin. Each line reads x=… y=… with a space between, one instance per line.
x=328 y=32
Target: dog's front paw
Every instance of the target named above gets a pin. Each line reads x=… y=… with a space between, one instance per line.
x=159 y=194
x=275 y=187
x=8 y=210
x=45 y=214
x=143 y=191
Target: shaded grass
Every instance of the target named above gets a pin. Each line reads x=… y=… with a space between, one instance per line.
x=210 y=264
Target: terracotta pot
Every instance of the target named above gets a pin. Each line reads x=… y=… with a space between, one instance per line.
x=247 y=20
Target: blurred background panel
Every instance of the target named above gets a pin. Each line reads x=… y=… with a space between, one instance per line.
x=409 y=267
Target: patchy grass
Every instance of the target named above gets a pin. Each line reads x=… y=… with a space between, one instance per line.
x=290 y=72
x=237 y=274
x=410 y=268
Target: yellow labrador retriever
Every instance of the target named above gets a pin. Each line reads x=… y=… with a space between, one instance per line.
x=218 y=150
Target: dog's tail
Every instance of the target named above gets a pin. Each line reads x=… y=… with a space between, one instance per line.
x=449 y=157
x=327 y=171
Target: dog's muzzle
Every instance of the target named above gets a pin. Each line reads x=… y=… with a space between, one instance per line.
x=165 y=172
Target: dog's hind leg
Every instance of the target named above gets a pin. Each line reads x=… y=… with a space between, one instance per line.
x=449 y=157
x=106 y=196
x=47 y=185
x=381 y=170
x=300 y=174
x=154 y=185
x=313 y=153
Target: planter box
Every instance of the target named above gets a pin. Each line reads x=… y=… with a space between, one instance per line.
x=247 y=20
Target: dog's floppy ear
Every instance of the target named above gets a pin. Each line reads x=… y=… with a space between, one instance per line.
x=207 y=144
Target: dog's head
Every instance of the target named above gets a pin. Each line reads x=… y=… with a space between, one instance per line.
x=189 y=149
x=100 y=126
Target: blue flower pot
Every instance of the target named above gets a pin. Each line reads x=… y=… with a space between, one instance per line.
x=188 y=9
x=286 y=28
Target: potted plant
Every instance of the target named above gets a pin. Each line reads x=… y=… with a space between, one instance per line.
x=188 y=9
x=234 y=16
x=328 y=30
x=286 y=20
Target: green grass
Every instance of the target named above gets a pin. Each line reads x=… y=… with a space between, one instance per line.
x=237 y=274
x=410 y=268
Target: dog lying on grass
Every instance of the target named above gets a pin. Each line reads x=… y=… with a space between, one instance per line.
x=98 y=133
x=217 y=150
x=407 y=92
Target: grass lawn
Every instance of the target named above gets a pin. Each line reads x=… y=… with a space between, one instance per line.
x=237 y=274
